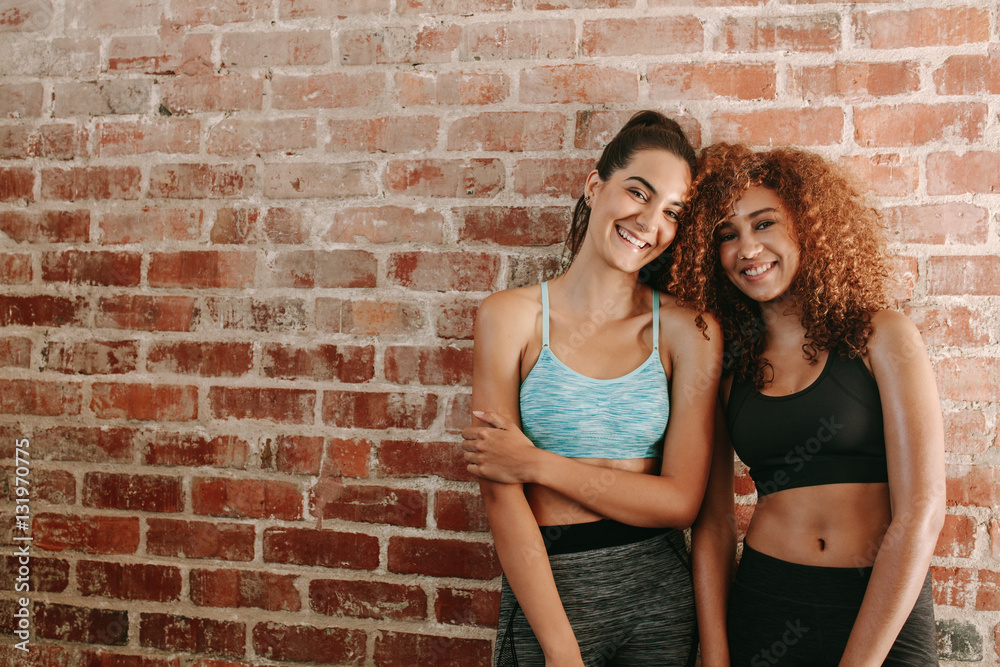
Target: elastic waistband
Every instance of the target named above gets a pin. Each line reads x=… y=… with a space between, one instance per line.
x=795 y=581
x=576 y=537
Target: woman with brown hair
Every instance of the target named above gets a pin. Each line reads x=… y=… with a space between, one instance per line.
x=828 y=396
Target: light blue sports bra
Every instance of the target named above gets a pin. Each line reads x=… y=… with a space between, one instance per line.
x=573 y=415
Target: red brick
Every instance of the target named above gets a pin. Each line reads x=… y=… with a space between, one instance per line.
x=345 y=363
x=256 y=226
x=15 y=352
x=904 y=275
x=451 y=88
x=101 y=659
x=430 y=44
x=61 y=141
x=303 y=643
x=84 y=443
x=644 y=36
x=202 y=268
x=429 y=365
x=15 y=268
x=953 y=586
x=274 y=314
x=968 y=379
x=399 y=134
x=90 y=534
x=797 y=34
x=969 y=74
x=973 y=172
x=579 y=4
x=82 y=267
x=958 y=537
x=192 y=635
x=460 y=7
x=959 y=275
x=897 y=29
x=856 y=80
x=988 y=595
x=45 y=575
x=200 y=539
x=148 y=493
x=336 y=90
x=34 y=397
x=57 y=487
x=951 y=325
x=349 y=458
x=171 y=51
x=378 y=410
x=295 y=9
x=25 y=17
x=220 y=12
x=940 y=224
x=385 y=224
x=17 y=183
x=442 y=558
x=207 y=92
x=149 y=225
x=807 y=127
x=712 y=80
x=66 y=623
x=515 y=40
x=525 y=270
x=46 y=226
x=300 y=180
x=187 y=449
x=276 y=49
x=146 y=313
x=967 y=432
x=129 y=581
x=478 y=177
x=458 y=510
x=77 y=57
x=514 y=226
x=594 y=129
x=508 y=131
x=384 y=318
x=444 y=271
x=374 y=504
x=555 y=177
x=21 y=100
x=98 y=183
x=919 y=124
x=588 y=84
x=91 y=14
x=144 y=401
x=458 y=606
x=101 y=98
x=975 y=486
x=201 y=181
x=323 y=548
x=295 y=454
x=884 y=175
x=455 y=318
x=235 y=137
x=367 y=599
x=242 y=588
x=91 y=357
x=995 y=538
x=322 y=268
x=205 y=359
x=177 y=135
x=398 y=649
x=246 y=498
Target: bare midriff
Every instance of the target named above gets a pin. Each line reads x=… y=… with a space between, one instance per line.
x=833 y=525
x=554 y=509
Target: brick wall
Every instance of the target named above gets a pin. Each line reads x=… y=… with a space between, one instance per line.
x=242 y=246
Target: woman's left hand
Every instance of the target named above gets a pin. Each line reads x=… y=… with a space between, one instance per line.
x=499 y=452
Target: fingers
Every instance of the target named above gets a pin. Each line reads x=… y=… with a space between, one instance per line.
x=492 y=418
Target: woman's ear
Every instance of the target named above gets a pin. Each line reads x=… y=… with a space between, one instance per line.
x=591 y=185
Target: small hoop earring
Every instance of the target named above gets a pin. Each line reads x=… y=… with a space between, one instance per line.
x=586 y=200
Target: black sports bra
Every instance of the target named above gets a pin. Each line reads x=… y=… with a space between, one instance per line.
x=831 y=432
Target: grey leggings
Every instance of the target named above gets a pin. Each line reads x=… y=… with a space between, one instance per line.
x=629 y=604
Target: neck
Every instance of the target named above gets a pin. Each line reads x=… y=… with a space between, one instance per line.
x=588 y=286
x=783 y=324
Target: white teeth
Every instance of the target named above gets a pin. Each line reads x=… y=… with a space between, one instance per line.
x=757 y=270
x=638 y=243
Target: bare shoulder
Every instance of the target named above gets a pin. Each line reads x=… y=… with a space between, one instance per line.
x=680 y=323
x=892 y=333
x=512 y=311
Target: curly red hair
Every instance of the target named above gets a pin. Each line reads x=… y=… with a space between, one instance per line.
x=842 y=278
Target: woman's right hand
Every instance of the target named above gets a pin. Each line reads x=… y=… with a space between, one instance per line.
x=499 y=452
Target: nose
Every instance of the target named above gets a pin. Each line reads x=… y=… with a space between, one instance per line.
x=748 y=247
x=645 y=219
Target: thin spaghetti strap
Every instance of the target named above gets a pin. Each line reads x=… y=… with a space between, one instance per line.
x=545 y=314
x=656 y=321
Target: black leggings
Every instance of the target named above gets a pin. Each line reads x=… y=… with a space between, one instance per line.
x=787 y=614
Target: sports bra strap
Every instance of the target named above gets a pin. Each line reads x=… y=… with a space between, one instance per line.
x=545 y=314
x=656 y=321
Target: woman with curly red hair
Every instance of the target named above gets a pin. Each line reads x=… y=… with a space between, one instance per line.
x=831 y=401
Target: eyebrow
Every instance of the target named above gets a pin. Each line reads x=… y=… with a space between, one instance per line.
x=653 y=190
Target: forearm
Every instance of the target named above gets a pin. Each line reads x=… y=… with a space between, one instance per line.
x=713 y=555
x=522 y=555
x=897 y=576
x=634 y=498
